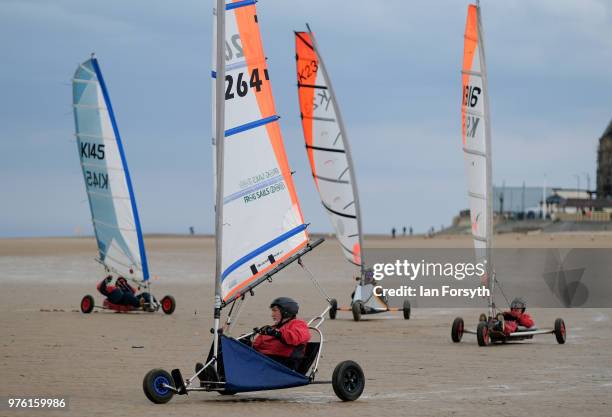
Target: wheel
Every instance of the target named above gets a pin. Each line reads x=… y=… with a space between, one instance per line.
x=87 y=304
x=153 y=386
x=457 y=330
x=226 y=392
x=348 y=381
x=406 y=310
x=356 y=308
x=482 y=317
x=334 y=309
x=560 y=332
x=482 y=334
x=168 y=304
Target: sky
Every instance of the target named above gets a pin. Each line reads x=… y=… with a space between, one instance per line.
x=395 y=66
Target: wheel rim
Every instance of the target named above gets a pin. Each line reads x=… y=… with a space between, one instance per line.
x=166 y=304
x=85 y=304
x=460 y=329
x=563 y=330
x=158 y=385
x=485 y=335
x=351 y=380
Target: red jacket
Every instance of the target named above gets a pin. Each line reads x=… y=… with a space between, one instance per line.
x=293 y=334
x=512 y=321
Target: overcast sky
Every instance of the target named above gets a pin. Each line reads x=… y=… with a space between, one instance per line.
x=395 y=66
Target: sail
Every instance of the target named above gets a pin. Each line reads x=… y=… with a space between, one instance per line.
x=476 y=136
x=261 y=220
x=107 y=179
x=327 y=147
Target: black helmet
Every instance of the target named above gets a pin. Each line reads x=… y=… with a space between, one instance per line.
x=519 y=302
x=287 y=306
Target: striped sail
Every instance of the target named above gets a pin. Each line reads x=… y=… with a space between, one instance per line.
x=476 y=136
x=107 y=179
x=261 y=220
x=327 y=147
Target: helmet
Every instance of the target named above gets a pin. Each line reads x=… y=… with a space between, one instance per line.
x=287 y=306
x=519 y=302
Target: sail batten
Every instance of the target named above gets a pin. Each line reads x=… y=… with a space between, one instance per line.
x=107 y=180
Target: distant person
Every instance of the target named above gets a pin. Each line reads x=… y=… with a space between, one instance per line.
x=284 y=341
x=393 y=233
x=123 y=294
x=516 y=317
x=191 y=231
x=411 y=231
x=404 y=231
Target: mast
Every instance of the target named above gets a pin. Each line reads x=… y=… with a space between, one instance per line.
x=347 y=150
x=219 y=141
x=489 y=171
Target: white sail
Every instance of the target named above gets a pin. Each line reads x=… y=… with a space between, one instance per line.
x=328 y=148
x=476 y=136
x=107 y=179
x=261 y=223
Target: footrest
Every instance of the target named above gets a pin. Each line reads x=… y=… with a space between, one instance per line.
x=179 y=382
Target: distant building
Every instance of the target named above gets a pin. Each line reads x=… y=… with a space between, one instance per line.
x=604 y=164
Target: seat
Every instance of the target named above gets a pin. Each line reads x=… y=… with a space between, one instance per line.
x=310 y=354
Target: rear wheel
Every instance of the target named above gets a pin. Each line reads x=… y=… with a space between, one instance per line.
x=406 y=310
x=334 y=309
x=348 y=381
x=168 y=304
x=560 y=332
x=457 y=330
x=482 y=334
x=155 y=386
x=356 y=308
x=87 y=304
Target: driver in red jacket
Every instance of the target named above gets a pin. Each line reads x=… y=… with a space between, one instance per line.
x=285 y=341
x=517 y=316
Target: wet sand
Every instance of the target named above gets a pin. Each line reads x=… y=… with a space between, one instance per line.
x=412 y=368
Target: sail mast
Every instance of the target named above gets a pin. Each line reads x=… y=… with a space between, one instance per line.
x=219 y=141
x=346 y=148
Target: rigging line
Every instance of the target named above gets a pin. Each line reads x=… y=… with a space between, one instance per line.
x=314 y=280
x=501 y=289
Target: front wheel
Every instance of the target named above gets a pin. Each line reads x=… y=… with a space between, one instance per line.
x=155 y=386
x=168 y=304
x=348 y=381
x=406 y=310
x=334 y=309
x=560 y=332
x=87 y=304
x=457 y=330
x=356 y=308
x=482 y=334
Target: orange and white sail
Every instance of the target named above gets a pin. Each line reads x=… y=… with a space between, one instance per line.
x=259 y=221
x=476 y=136
x=328 y=148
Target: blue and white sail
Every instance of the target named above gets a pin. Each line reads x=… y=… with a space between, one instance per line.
x=107 y=179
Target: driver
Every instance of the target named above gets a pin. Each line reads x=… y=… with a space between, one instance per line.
x=284 y=341
x=517 y=316
x=123 y=293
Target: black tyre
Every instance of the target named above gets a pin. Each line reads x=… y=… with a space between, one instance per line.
x=482 y=317
x=457 y=330
x=406 y=310
x=154 y=387
x=334 y=309
x=560 y=332
x=168 y=304
x=348 y=381
x=356 y=308
x=482 y=334
x=87 y=304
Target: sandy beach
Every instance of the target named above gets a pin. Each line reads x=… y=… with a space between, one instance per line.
x=97 y=361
